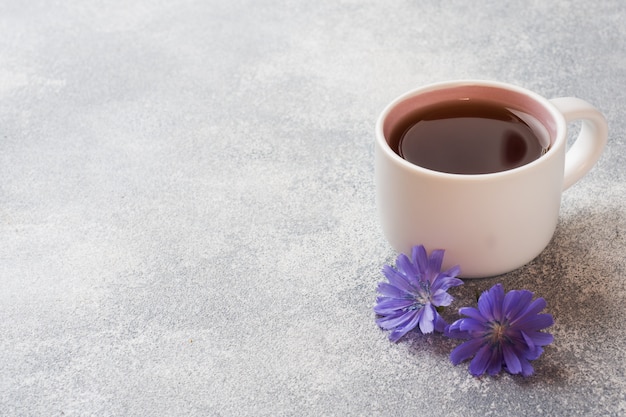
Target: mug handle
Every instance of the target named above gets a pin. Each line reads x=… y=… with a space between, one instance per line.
x=591 y=140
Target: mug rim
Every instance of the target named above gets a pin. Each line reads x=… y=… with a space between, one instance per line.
x=556 y=143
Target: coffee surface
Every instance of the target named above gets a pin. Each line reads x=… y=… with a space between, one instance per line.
x=468 y=137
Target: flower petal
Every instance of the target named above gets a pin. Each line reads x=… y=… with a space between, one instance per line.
x=440 y=323
x=481 y=361
x=534 y=322
x=527 y=368
x=398 y=333
x=399 y=320
x=485 y=305
x=407 y=269
x=427 y=319
x=443 y=282
x=540 y=338
x=471 y=325
x=441 y=298
x=536 y=306
x=420 y=259
x=513 y=364
x=453 y=272
x=495 y=362
x=531 y=355
x=497 y=294
x=528 y=340
x=471 y=312
x=453 y=331
x=532 y=309
x=401 y=331
x=390 y=306
x=397 y=279
x=434 y=263
x=515 y=302
x=390 y=290
x=465 y=351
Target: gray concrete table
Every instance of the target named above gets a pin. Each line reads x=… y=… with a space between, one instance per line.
x=187 y=212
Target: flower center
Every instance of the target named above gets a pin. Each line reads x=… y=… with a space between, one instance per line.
x=422 y=293
x=498 y=332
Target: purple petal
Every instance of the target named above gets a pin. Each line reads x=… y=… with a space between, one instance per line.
x=495 y=362
x=397 y=279
x=515 y=302
x=536 y=322
x=441 y=298
x=528 y=340
x=420 y=259
x=471 y=325
x=427 y=319
x=390 y=290
x=511 y=300
x=485 y=305
x=465 y=351
x=452 y=272
x=453 y=331
x=531 y=355
x=440 y=323
x=527 y=368
x=497 y=294
x=401 y=331
x=471 y=312
x=405 y=266
x=392 y=305
x=391 y=322
x=540 y=338
x=480 y=363
x=444 y=283
x=532 y=309
x=513 y=364
x=434 y=262
x=454 y=325
x=398 y=333
x=536 y=306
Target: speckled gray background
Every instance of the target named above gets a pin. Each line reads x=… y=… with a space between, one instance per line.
x=187 y=216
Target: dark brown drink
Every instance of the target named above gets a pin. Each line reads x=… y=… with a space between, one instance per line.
x=468 y=137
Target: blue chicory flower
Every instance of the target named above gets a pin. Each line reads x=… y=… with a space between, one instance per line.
x=414 y=290
x=504 y=331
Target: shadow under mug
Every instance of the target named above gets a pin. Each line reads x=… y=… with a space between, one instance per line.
x=489 y=224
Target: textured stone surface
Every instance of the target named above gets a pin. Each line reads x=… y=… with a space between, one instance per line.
x=187 y=211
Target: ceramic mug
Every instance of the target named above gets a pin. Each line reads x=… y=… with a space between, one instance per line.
x=493 y=223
